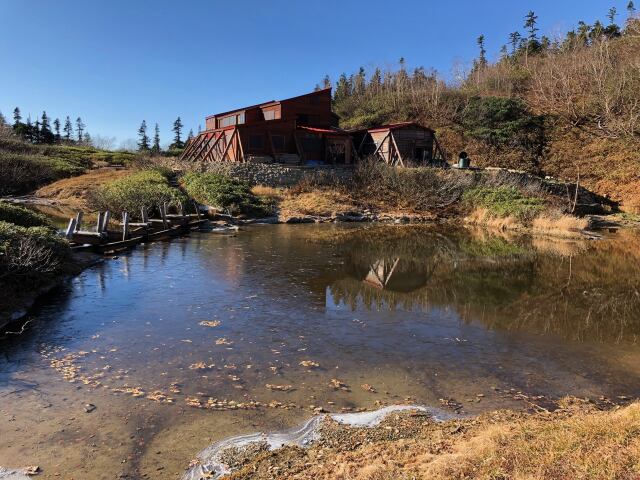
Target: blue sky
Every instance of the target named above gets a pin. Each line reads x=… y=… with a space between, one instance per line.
x=118 y=62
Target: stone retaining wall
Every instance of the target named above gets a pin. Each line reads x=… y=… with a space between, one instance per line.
x=278 y=175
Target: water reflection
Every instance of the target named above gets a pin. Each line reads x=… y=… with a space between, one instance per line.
x=580 y=290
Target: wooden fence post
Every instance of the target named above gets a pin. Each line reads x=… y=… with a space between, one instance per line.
x=71 y=228
x=99 y=224
x=105 y=221
x=78 y=225
x=163 y=214
x=125 y=226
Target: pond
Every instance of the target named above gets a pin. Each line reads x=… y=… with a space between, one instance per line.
x=140 y=362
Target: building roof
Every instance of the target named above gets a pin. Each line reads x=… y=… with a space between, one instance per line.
x=334 y=131
x=391 y=126
x=270 y=102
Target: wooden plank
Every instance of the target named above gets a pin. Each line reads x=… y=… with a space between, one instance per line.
x=79 y=216
x=380 y=146
x=207 y=154
x=105 y=221
x=224 y=154
x=99 y=223
x=145 y=218
x=163 y=214
x=397 y=150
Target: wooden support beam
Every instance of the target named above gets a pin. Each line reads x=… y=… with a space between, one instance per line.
x=224 y=154
x=145 y=217
x=240 y=148
x=105 y=221
x=163 y=214
x=79 y=216
x=395 y=146
x=71 y=228
x=99 y=224
x=125 y=226
x=380 y=146
x=207 y=155
x=197 y=152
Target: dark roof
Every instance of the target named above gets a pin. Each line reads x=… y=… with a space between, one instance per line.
x=391 y=126
x=335 y=130
x=270 y=102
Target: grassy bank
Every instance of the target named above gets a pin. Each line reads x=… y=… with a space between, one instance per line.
x=25 y=167
x=32 y=254
x=577 y=441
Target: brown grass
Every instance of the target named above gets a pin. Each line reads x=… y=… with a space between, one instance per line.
x=322 y=203
x=576 y=442
x=73 y=192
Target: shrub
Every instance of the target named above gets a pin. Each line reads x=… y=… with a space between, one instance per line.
x=22 y=216
x=224 y=193
x=504 y=202
x=29 y=253
x=146 y=188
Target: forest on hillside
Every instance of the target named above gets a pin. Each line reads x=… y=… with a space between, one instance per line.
x=566 y=107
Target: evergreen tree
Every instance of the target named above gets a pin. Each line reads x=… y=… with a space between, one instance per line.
x=143 y=142
x=86 y=139
x=612 y=15
x=177 y=132
x=190 y=136
x=156 y=140
x=376 y=81
x=36 y=135
x=80 y=128
x=504 y=53
x=514 y=40
x=326 y=82
x=3 y=121
x=482 y=59
x=56 y=128
x=199 y=128
x=68 y=129
x=530 y=24
x=631 y=8
x=17 y=118
x=46 y=135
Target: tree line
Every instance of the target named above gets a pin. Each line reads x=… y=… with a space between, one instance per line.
x=46 y=131
x=146 y=145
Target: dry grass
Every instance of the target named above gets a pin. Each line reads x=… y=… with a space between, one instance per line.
x=321 y=203
x=577 y=442
x=73 y=192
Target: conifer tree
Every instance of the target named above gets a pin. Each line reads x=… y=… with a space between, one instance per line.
x=86 y=139
x=68 y=129
x=156 y=140
x=482 y=59
x=56 y=128
x=3 y=121
x=17 y=117
x=80 y=129
x=631 y=8
x=530 y=24
x=514 y=40
x=326 y=82
x=46 y=135
x=190 y=136
x=177 y=132
x=143 y=142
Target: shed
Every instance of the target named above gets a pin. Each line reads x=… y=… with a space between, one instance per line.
x=404 y=144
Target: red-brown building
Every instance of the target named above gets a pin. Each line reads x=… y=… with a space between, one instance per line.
x=298 y=130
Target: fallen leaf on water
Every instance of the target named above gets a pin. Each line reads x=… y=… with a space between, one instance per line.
x=200 y=366
x=223 y=341
x=282 y=388
x=309 y=363
x=338 y=385
x=210 y=323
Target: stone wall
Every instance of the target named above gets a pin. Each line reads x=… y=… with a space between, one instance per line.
x=278 y=175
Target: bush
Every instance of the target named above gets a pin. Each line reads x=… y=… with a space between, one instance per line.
x=504 y=202
x=223 y=192
x=146 y=188
x=22 y=216
x=30 y=253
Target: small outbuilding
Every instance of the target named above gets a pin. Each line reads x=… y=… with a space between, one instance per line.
x=404 y=144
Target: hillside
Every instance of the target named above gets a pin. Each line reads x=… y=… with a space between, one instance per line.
x=563 y=108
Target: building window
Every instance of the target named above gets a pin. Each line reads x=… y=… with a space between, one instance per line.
x=269 y=114
x=241 y=118
x=226 y=121
x=256 y=141
x=278 y=142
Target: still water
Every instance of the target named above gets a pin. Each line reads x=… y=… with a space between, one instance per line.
x=177 y=344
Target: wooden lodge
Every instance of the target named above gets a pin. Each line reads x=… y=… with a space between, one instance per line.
x=304 y=131
x=406 y=144
x=298 y=130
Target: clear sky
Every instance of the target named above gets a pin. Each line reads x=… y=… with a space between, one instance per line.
x=117 y=62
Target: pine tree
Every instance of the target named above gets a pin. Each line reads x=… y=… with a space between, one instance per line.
x=531 y=25
x=177 y=132
x=80 y=128
x=326 y=82
x=68 y=129
x=36 y=136
x=56 y=127
x=514 y=40
x=190 y=136
x=612 y=15
x=504 y=53
x=143 y=142
x=631 y=8
x=482 y=59
x=86 y=139
x=46 y=135
x=17 y=118
x=156 y=140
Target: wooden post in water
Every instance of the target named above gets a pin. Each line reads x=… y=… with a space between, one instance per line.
x=163 y=214
x=195 y=204
x=125 y=226
x=78 y=225
x=145 y=218
x=105 y=221
x=181 y=209
x=71 y=228
x=99 y=224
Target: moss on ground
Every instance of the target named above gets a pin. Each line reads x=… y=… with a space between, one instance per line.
x=504 y=202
